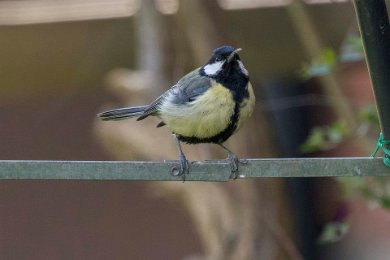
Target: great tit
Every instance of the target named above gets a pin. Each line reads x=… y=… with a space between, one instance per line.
x=207 y=105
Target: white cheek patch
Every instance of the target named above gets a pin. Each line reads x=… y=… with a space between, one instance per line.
x=242 y=68
x=213 y=68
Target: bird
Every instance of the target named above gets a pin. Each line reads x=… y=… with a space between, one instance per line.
x=207 y=105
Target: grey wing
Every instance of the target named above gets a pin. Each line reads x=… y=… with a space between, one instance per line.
x=186 y=90
x=190 y=87
x=152 y=108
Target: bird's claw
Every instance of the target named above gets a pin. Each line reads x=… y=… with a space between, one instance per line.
x=184 y=168
x=234 y=162
x=244 y=161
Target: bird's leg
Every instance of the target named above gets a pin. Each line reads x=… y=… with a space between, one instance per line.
x=184 y=169
x=234 y=161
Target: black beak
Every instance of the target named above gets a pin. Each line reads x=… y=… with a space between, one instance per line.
x=229 y=59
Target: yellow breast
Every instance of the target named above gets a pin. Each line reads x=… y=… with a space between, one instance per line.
x=204 y=117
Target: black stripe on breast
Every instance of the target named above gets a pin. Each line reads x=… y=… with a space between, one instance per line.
x=234 y=80
x=218 y=138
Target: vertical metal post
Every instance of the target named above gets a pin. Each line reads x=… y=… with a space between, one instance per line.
x=375 y=30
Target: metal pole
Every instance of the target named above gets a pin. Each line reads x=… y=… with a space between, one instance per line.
x=375 y=30
x=199 y=171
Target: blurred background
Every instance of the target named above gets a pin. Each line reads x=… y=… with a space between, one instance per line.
x=64 y=61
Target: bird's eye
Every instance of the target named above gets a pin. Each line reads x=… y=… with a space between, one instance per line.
x=218 y=59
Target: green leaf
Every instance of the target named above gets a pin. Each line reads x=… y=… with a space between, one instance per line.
x=385 y=202
x=315 y=142
x=325 y=137
x=333 y=232
x=369 y=114
x=321 y=65
x=337 y=131
x=368 y=193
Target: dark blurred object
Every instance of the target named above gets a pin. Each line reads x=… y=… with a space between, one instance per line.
x=291 y=122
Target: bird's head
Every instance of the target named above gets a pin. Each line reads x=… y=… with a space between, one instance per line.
x=224 y=60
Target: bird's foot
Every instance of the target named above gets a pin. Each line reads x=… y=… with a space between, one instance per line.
x=234 y=162
x=184 y=168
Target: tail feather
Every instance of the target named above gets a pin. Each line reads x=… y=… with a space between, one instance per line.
x=122 y=113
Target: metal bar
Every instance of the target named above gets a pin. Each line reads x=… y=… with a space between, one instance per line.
x=199 y=171
x=375 y=30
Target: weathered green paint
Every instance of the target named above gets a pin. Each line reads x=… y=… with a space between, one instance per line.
x=199 y=171
x=315 y=167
